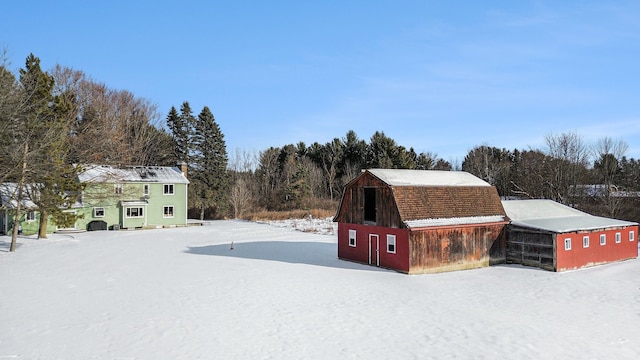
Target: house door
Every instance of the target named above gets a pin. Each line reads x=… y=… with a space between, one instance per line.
x=374 y=249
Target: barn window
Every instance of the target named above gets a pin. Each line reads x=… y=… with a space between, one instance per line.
x=603 y=239
x=632 y=236
x=585 y=242
x=567 y=244
x=370 y=205
x=391 y=244
x=618 y=238
x=352 y=238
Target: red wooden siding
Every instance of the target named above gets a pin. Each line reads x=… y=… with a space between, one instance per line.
x=360 y=253
x=595 y=254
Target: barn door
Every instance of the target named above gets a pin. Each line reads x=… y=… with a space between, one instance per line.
x=374 y=249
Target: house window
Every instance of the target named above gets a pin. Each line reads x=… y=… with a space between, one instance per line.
x=117 y=188
x=370 y=205
x=168 y=189
x=98 y=212
x=567 y=244
x=352 y=238
x=603 y=239
x=31 y=215
x=632 y=236
x=145 y=191
x=585 y=242
x=618 y=238
x=391 y=244
x=134 y=212
x=167 y=211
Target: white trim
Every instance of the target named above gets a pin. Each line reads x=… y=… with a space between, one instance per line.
x=585 y=241
x=95 y=212
x=391 y=242
x=603 y=239
x=172 y=188
x=632 y=235
x=618 y=238
x=173 y=211
x=567 y=244
x=352 y=236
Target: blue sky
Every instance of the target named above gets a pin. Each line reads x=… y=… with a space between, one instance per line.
x=438 y=76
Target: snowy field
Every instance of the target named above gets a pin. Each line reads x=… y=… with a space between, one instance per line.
x=184 y=293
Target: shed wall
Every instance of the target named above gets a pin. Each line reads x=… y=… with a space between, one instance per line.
x=579 y=256
x=530 y=247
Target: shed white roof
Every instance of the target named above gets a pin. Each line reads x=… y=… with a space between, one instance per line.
x=403 y=177
x=549 y=215
x=149 y=174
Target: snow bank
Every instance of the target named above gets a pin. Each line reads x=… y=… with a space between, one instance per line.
x=183 y=293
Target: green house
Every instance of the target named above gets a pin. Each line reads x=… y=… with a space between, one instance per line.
x=132 y=197
x=30 y=218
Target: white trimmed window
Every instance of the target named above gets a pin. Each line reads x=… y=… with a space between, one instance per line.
x=31 y=215
x=618 y=238
x=98 y=212
x=135 y=212
x=352 y=238
x=391 y=244
x=117 y=188
x=632 y=236
x=167 y=211
x=567 y=244
x=603 y=239
x=168 y=189
x=585 y=242
x=145 y=190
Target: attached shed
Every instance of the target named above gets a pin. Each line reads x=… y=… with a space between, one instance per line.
x=552 y=236
x=421 y=221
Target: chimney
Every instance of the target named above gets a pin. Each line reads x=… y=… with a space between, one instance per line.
x=183 y=168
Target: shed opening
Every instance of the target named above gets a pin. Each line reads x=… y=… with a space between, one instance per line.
x=370 y=205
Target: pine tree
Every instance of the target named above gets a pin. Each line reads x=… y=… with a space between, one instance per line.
x=210 y=178
x=183 y=133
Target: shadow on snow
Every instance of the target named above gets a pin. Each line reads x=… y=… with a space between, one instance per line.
x=310 y=253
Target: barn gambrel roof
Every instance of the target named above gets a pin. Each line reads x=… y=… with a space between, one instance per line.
x=426 y=198
x=548 y=215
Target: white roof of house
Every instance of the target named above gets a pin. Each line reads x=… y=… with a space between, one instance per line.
x=148 y=174
x=8 y=193
x=552 y=216
x=403 y=177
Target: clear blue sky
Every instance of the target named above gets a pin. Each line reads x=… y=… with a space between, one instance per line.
x=438 y=76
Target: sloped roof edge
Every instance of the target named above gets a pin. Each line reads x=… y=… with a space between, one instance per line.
x=405 y=177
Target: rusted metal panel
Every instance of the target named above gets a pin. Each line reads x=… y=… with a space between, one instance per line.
x=456 y=248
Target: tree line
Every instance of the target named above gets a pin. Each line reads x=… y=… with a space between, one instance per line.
x=55 y=119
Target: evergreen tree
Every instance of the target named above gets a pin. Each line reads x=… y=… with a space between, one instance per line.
x=210 y=178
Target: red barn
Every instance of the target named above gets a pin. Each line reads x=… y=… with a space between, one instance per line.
x=552 y=236
x=421 y=221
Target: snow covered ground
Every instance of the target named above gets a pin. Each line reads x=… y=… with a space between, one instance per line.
x=184 y=293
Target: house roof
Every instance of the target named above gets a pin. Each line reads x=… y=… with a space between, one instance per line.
x=403 y=177
x=551 y=216
x=8 y=193
x=146 y=174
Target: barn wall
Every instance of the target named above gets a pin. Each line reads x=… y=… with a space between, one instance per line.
x=456 y=248
x=530 y=247
x=596 y=254
x=360 y=253
x=352 y=205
